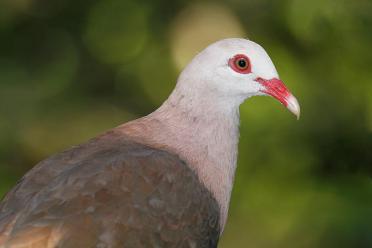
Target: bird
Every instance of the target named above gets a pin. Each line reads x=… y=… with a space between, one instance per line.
x=163 y=180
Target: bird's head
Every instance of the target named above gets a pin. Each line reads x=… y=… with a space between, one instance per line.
x=236 y=69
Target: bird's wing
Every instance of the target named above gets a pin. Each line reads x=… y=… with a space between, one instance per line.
x=110 y=192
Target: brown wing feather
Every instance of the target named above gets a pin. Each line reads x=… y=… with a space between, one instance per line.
x=110 y=192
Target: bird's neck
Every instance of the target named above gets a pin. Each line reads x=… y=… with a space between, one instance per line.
x=202 y=132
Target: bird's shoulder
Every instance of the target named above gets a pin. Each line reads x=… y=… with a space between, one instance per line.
x=115 y=191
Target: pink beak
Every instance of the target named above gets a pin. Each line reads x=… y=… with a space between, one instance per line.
x=276 y=88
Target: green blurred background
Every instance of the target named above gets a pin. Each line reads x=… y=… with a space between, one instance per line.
x=71 y=69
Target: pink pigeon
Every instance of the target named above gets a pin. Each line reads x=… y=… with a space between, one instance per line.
x=163 y=180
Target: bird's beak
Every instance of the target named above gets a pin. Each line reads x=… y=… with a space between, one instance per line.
x=276 y=88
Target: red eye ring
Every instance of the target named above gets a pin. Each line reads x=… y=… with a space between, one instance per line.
x=240 y=63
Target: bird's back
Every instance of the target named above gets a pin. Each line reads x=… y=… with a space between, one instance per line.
x=110 y=192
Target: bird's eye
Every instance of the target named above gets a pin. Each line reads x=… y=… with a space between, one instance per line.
x=240 y=63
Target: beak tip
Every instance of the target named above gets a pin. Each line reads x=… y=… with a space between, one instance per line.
x=294 y=106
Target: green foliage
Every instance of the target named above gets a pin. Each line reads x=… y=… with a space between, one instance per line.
x=72 y=69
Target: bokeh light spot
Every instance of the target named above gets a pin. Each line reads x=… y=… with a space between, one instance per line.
x=116 y=30
x=199 y=25
x=11 y=9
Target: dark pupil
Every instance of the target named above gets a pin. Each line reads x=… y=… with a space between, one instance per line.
x=242 y=63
